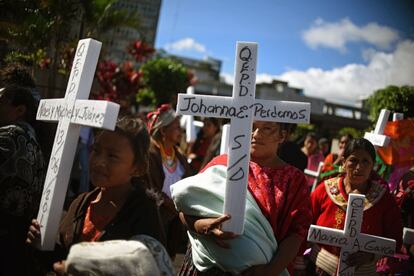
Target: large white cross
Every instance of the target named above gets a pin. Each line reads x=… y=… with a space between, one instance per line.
x=71 y=112
x=241 y=109
x=351 y=239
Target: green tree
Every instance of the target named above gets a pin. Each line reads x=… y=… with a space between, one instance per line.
x=25 y=31
x=165 y=78
x=301 y=130
x=394 y=98
x=45 y=25
x=32 y=28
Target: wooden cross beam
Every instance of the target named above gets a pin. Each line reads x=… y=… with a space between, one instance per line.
x=242 y=108
x=350 y=239
x=378 y=139
x=315 y=174
x=71 y=112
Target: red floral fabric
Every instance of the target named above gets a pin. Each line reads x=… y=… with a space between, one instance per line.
x=282 y=195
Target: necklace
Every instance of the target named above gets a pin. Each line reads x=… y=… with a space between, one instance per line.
x=112 y=203
x=169 y=161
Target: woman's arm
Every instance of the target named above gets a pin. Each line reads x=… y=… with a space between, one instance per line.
x=208 y=227
x=286 y=253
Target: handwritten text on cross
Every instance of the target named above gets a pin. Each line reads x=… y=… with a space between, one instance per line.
x=241 y=108
x=350 y=239
x=71 y=112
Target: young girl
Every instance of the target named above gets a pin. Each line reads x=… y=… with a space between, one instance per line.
x=119 y=207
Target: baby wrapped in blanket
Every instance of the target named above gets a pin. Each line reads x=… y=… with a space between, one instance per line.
x=203 y=196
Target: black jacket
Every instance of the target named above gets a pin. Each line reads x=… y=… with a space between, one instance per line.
x=138 y=215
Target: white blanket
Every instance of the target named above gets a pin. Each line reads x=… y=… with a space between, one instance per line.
x=203 y=195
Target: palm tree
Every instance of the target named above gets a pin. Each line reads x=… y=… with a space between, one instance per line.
x=100 y=17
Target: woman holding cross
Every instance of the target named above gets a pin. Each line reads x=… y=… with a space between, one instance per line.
x=277 y=213
x=329 y=201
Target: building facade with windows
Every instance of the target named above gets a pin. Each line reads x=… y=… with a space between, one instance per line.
x=117 y=41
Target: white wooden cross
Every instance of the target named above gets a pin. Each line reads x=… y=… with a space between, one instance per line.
x=241 y=109
x=315 y=174
x=71 y=112
x=224 y=144
x=378 y=139
x=350 y=239
x=408 y=235
x=397 y=116
x=189 y=122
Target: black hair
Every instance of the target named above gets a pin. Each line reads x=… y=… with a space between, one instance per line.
x=215 y=121
x=362 y=144
x=16 y=74
x=312 y=135
x=348 y=136
x=18 y=95
x=290 y=128
x=135 y=130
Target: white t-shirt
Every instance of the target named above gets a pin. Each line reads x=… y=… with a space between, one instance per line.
x=172 y=177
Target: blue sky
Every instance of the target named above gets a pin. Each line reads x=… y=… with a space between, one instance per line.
x=339 y=50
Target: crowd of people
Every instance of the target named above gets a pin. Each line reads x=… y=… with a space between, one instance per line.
x=145 y=190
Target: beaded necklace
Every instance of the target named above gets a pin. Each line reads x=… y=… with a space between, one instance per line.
x=169 y=161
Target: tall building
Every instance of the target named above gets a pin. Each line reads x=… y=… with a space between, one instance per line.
x=206 y=72
x=116 y=41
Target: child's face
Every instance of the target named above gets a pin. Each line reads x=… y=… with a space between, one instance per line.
x=112 y=160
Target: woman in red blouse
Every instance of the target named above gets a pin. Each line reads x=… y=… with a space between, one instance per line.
x=329 y=201
x=280 y=191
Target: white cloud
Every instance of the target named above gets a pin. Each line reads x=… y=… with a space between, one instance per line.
x=260 y=78
x=185 y=44
x=227 y=78
x=264 y=78
x=337 y=34
x=353 y=82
